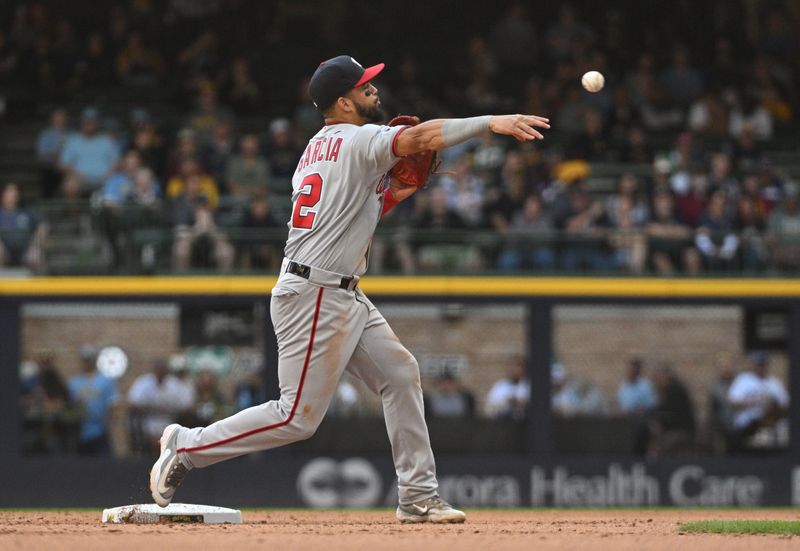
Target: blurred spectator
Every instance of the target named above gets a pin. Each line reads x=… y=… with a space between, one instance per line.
x=783 y=237
x=721 y=412
x=282 y=154
x=508 y=398
x=207 y=116
x=22 y=234
x=747 y=152
x=437 y=218
x=760 y=402
x=89 y=155
x=95 y=394
x=216 y=154
x=145 y=191
x=201 y=60
x=592 y=401
x=716 y=237
x=592 y=142
x=628 y=243
x=210 y=404
x=683 y=82
x=571 y=114
x=131 y=186
x=147 y=142
x=247 y=174
x=672 y=426
x=562 y=35
x=307 y=118
x=628 y=188
x=465 y=192
x=49 y=422
x=116 y=133
x=95 y=68
x=583 y=222
x=254 y=250
x=490 y=160
x=502 y=204
x=751 y=224
x=529 y=239
x=250 y=392
x=241 y=92
x=48 y=151
x=138 y=65
x=691 y=196
x=721 y=176
x=669 y=241
x=749 y=113
x=118 y=187
x=156 y=399
x=565 y=401
x=635 y=147
x=636 y=394
x=202 y=183
x=9 y=56
x=450 y=399
x=199 y=242
x=185 y=149
x=658 y=112
x=708 y=115
x=66 y=53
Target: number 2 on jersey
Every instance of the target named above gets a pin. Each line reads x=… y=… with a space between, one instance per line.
x=310 y=190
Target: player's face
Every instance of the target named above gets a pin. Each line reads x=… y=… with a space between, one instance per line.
x=367 y=103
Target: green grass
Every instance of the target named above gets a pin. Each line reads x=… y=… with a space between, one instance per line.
x=782 y=527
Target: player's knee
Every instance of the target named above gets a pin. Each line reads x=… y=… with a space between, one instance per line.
x=405 y=375
x=304 y=431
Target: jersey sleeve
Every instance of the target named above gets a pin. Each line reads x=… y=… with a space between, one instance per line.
x=374 y=145
x=739 y=389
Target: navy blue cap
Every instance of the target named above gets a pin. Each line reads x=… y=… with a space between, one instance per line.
x=336 y=76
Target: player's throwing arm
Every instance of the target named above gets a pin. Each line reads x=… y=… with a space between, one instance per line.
x=438 y=134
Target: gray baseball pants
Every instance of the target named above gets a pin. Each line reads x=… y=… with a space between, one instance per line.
x=321 y=331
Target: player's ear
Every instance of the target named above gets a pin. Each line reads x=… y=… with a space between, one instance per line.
x=345 y=104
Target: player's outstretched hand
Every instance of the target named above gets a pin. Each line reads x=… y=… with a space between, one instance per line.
x=522 y=127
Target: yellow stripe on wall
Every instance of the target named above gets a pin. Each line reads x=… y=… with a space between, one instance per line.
x=409 y=286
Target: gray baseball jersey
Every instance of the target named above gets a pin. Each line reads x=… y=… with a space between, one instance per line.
x=337 y=193
x=323 y=329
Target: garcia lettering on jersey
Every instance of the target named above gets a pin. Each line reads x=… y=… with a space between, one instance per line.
x=326 y=149
x=337 y=196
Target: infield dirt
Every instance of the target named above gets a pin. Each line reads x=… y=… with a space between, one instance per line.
x=377 y=530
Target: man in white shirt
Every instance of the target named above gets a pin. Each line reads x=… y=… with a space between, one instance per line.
x=158 y=398
x=759 y=401
x=509 y=396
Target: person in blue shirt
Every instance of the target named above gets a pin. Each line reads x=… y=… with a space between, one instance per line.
x=89 y=155
x=636 y=394
x=119 y=186
x=95 y=394
x=22 y=233
x=48 y=150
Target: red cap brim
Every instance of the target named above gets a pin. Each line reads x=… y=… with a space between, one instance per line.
x=369 y=74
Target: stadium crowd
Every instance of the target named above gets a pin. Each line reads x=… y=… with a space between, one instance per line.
x=682 y=130
x=88 y=413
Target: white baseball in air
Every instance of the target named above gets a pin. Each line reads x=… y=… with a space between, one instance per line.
x=593 y=81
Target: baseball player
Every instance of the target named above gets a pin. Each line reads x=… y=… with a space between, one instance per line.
x=344 y=182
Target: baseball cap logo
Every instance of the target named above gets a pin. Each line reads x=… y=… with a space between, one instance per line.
x=357 y=63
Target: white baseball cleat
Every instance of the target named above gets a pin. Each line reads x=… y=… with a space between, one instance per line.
x=433 y=509
x=168 y=471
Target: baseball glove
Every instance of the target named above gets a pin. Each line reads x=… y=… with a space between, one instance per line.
x=413 y=170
